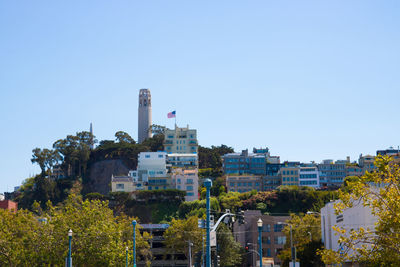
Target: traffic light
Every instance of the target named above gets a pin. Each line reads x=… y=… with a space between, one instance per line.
x=247 y=248
x=241 y=217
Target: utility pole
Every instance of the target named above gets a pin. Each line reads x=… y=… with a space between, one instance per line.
x=208 y=184
x=190 y=253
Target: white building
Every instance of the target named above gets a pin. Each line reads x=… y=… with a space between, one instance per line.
x=352 y=218
x=309 y=176
x=186 y=180
x=180 y=140
x=150 y=164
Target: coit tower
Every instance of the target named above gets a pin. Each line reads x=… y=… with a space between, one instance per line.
x=144 y=115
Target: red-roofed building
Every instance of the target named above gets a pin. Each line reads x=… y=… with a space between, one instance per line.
x=9 y=205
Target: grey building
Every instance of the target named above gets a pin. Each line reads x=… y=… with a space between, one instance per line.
x=144 y=115
x=161 y=256
x=332 y=173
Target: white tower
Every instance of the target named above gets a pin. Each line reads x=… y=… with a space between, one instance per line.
x=144 y=115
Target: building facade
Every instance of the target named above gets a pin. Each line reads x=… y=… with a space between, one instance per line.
x=273 y=239
x=357 y=216
x=249 y=163
x=182 y=160
x=9 y=205
x=161 y=256
x=122 y=184
x=144 y=115
x=332 y=173
x=186 y=180
x=243 y=183
x=181 y=140
x=290 y=173
x=309 y=175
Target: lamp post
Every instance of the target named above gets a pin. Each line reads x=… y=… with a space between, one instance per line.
x=190 y=253
x=260 y=224
x=126 y=256
x=208 y=184
x=69 y=259
x=134 y=242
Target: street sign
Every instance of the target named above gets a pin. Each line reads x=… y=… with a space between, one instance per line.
x=213 y=238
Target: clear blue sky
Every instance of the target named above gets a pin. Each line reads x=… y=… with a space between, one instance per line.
x=309 y=79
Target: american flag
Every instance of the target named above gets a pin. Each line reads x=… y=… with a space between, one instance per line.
x=172 y=114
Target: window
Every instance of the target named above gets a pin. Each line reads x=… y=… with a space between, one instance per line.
x=267 y=228
x=156 y=187
x=178 y=180
x=232 y=184
x=189 y=181
x=279 y=240
x=257 y=184
x=239 y=184
x=170 y=136
x=266 y=240
x=161 y=156
x=150 y=188
x=190 y=194
x=147 y=156
x=120 y=186
x=179 y=187
x=189 y=187
x=278 y=228
x=250 y=184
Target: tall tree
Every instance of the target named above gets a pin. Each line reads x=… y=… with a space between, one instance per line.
x=306 y=234
x=123 y=137
x=45 y=158
x=181 y=233
x=229 y=250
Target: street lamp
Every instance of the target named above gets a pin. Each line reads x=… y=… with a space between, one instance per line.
x=208 y=184
x=260 y=224
x=134 y=242
x=126 y=256
x=69 y=259
x=190 y=253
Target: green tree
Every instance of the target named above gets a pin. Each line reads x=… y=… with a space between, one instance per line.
x=378 y=191
x=306 y=234
x=229 y=250
x=123 y=137
x=180 y=233
x=45 y=158
x=99 y=238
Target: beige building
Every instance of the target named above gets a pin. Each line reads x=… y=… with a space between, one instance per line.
x=122 y=184
x=290 y=175
x=186 y=180
x=243 y=183
x=180 y=140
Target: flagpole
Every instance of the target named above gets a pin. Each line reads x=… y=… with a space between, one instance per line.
x=175 y=118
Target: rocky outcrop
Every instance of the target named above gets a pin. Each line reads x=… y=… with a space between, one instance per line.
x=99 y=175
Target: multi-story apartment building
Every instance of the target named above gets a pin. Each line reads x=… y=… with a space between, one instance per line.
x=309 y=175
x=290 y=173
x=388 y=152
x=243 y=183
x=182 y=160
x=248 y=163
x=272 y=179
x=186 y=180
x=150 y=164
x=273 y=239
x=181 y=140
x=367 y=163
x=332 y=173
x=161 y=256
